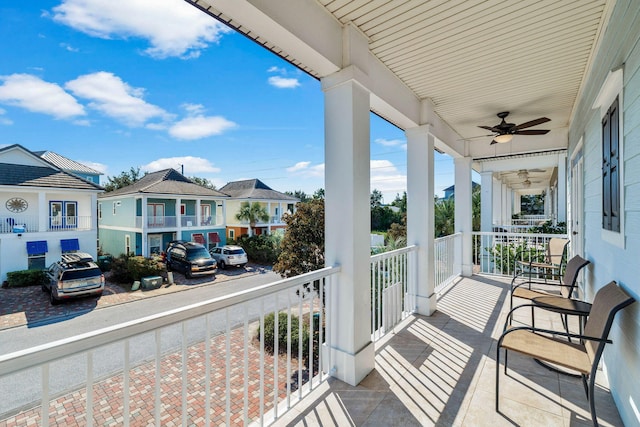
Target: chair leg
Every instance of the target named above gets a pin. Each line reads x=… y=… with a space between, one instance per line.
x=498 y=377
x=592 y=401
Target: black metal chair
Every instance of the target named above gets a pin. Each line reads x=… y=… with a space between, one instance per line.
x=554 y=347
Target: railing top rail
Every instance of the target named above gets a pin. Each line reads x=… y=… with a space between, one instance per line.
x=390 y=254
x=448 y=236
x=502 y=233
x=49 y=352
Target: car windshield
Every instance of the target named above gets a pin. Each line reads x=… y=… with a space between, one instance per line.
x=198 y=253
x=236 y=251
x=81 y=274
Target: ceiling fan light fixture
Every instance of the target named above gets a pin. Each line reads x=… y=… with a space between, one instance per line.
x=502 y=139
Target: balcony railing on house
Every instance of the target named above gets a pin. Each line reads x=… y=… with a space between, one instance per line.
x=200 y=361
x=496 y=252
x=203 y=359
x=31 y=223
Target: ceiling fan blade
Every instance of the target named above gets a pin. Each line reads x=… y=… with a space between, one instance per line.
x=532 y=123
x=492 y=129
x=532 y=132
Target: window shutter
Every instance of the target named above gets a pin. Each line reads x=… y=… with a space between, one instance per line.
x=606 y=176
x=614 y=169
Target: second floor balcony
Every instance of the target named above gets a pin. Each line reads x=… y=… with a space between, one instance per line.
x=211 y=363
x=36 y=224
x=186 y=221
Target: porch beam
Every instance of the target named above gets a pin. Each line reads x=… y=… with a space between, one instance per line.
x=486 y=203
x=561 y=193
x=420 y=213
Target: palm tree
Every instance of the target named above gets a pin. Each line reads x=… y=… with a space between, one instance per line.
x=252 y=212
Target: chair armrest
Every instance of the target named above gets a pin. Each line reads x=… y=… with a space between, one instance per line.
x=552 y=332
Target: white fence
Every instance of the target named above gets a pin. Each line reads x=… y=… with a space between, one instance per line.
x=497 y=252
x=448 y=257
x=195 y=365
x=392 y=297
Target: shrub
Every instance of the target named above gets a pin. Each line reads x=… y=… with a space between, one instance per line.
x=269 y=334
x=263 y=249
x=549 y=228
x=126 y=269
x=26 y=278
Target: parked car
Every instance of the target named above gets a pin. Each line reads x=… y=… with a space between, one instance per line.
x=229 y=255
x=189 y=258
x=75 y=275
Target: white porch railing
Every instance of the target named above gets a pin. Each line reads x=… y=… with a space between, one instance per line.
x=31 y=223
x=18 y=223
x=448 y=256
x=496 y=252
x=185 y=366
x=64 y=223
x=156 y=221
x=391 y=297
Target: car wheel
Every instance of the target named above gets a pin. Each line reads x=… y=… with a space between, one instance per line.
x=44 y=288
x=169 y=267
x=222 y=265
x=188 y=274
x=53 y=299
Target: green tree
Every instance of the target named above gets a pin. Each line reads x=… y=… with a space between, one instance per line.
x=203 y=182
x=252 y=212
x=400 y=202
x=444 y=217
x=298 y=194
x=319 y=194
x=303 y=242
x=376 y=198
x=124 y=179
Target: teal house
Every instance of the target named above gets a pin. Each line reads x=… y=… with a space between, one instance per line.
x=142 y=218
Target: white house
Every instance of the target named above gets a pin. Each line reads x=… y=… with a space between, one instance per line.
x=44 y=211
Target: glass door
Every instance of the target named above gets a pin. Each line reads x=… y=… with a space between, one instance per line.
x=70 y=215
x=55 y=215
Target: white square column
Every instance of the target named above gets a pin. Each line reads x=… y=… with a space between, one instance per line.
x=348 y=224
x=486 y=201
x=464 y=211
x=420 y=214
x=561 y=194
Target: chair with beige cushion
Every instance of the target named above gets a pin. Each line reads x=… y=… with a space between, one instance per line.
x=555 y=348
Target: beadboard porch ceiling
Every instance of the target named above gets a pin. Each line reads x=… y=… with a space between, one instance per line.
x=469 y=58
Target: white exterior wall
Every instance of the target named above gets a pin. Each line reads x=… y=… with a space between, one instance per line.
x=615 y=260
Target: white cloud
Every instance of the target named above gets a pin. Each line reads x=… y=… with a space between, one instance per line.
x=100 y=167
x=192 y=165
x=200 y=127
x=69 y=47
x=386 y=178
x=283 y=83
x=193 y=109
x=275 y=69
x=172 y=27
x=391 y=143
x=298 y=166
x=36 y=95
x=305 y=170
x=4 y=120
x=113 y=97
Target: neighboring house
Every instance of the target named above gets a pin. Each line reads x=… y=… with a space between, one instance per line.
x=144 y=217
x=254 y=190
x=44 y=211
x=449 y=192
x=71 y=166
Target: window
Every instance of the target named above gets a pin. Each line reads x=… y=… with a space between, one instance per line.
x=36 y=254
x=155 y=214
x=232 y=234
x=609 y=101
x=183 y=209
x=198 y=238
x=63 y=214
x=99 y=210
x=114 y=207
x=214 y=239
x=127 y=244
x=69 y=245
x=611 y=169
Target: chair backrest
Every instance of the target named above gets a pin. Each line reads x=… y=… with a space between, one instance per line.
x=556 y=250
x=570 y=277
x=608 y=301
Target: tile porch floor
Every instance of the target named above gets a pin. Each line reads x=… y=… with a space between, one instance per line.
x=440 y=370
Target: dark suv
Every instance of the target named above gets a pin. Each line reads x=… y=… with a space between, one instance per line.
x=189 y=258
x=74 y=275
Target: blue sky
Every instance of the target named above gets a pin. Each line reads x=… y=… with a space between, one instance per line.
x=116 y=84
